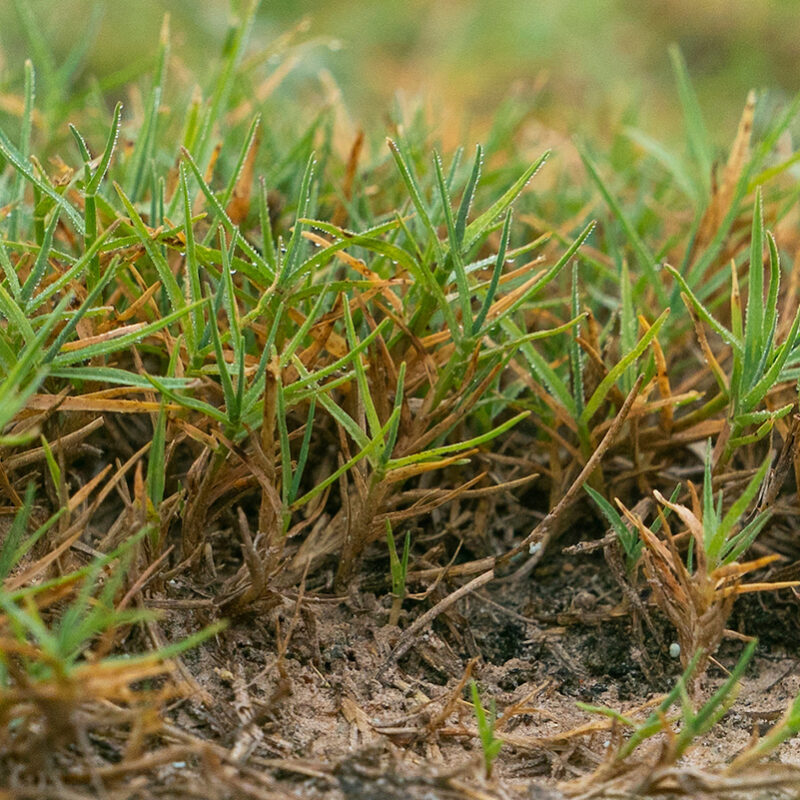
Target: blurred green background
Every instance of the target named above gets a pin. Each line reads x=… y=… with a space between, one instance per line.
x=586 y=63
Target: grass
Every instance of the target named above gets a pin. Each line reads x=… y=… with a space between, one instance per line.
x=237 y=361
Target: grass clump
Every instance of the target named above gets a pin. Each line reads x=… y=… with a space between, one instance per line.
x=234 y=359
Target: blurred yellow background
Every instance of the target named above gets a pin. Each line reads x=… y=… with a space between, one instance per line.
x=586 y=63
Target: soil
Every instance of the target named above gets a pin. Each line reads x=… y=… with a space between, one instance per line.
x=335 y=719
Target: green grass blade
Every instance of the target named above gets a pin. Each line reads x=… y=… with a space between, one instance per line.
x=113 y=345
x=264 y=273
x=373 y=422
x=630 y=541
x=21 y=165
x=455 y=257
x=468 y=196
x=498 y=269
x=108 y=152
x=479 y=226
x=476 y=441
x=302 y=457
x=412 y=185
x=596 y=400
x=699 y=141
x=176 y=298
x=294 y=249
x=754 y=316
x=26 y=128
x=705 y=315
x=645 y=257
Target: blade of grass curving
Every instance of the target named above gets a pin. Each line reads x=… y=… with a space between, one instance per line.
x=73 y=273
x=741 y=542
x=108 y=152
x=307 y=378
x=740 y=505
x=599 y=395
x=543 y=371
x=286 y=452
x=713 y=532
x=479 y=226
x=435 y=452
x=56 y=474
x=10 y=272
x=311 y=319
x=341 y=416
x=112 y=345
x=498 y=268
x=513 y=344
x=175 y=648
x=25 y=374
x=787 y=727
x=455 y=163
x=76 y=316
x=113 y=375
x=16 y=317
x=770 y=377
x=705 y=315
x=256 y=389
x=187 y=401
x=771 y=308
x=394 y=428
x=156 y=455
x=697 y=724
x=393 y=252
x=655 y=722
x=231 y=409
x=92 y=185
x=367 y=451
x=229 y=293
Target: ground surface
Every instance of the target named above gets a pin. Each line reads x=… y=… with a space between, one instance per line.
x=337 y=719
